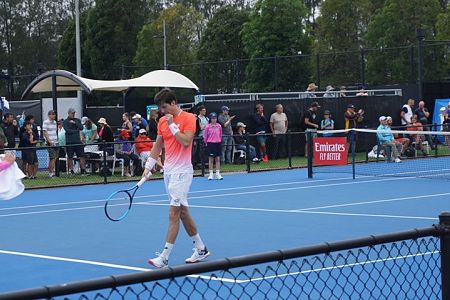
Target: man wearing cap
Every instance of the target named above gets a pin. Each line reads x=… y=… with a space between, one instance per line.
x=227 y=134
x=241 y=142
x=138 y=123
x=279 y=126
x=386 y=139
x=311 y=123
x=352 y=118
x=73 y=128
x=330 y=92
x=50 y=128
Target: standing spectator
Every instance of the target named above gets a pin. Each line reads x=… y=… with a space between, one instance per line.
x=61 y=142
x=30 y=119
x=90 y=135
x=123 y=150
x=152 y=127
x=49 y=128
x=73 y=128
x=343 y=91
x=203 y=119
x=446 y=123
x=279 y=126
x=327 y=123
x=310 y=90
x=352 y=118
x=241 y=142
x=138 y=123
x=105 y=135
x=261 y=125
x=212 y=137
x=143 y=146
x=311 y=123
x=423 y=114
x=227 y=132
x=387 y=139
x=407 y=112
x=10 y=129
x=330 y=93
x=29 y=156
x=126 y=124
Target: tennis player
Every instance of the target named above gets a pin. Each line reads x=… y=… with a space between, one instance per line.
x=175 y=133
x=10 y=177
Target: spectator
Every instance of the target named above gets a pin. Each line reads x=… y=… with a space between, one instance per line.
x=126 y=124
x=73 y=128
x=105 y=135
x=311 y=123
x=417 y=138
x=49 y=128
x=407 y=112
x=310 y=90
x=29 y=156
x=352 y=119
x=241 y=142
x=152 y=127
x=138 y=123
x=279 y=126
x=362 y=92
x=327 y=123
x=423 y=114
x=212 y=137
x=386 y=139
x=10 y=129
x=446 y=123
x=402 y=140
x=123 y=150
x=330 y=93
x=20 y=119
x=261 y=125
x=143 y=146
x=61 y=133
x=3 y=140
x=89 y=132
x=30 y=119
x=227 y=132
x=343 y=91
x=203 y=119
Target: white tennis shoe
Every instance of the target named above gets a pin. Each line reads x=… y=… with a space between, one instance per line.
x=159 y=261
x=198 y=255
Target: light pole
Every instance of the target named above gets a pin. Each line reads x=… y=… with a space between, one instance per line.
x=421 y=38
x=164 y=37
x=78 y=44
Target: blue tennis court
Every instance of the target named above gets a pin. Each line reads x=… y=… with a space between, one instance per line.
x=53 y=236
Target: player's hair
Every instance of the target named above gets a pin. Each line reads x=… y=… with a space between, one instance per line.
x=166 y=95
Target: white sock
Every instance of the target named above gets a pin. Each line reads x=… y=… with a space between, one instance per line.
x=217 y=172
x=167 y=249
x=211 y=172
x=198 y=243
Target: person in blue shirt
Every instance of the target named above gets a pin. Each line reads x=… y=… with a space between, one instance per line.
x=138 y=123
x=386 y=139
x=327 y=123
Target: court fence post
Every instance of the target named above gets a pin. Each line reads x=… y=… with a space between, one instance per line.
x=247 y=151
x=289 y=144
x=444 y=223
x=201 y=149
x=104 y=168
x=309 y=142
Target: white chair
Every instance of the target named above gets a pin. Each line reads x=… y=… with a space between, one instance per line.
x=242 y=153
x=122 y=164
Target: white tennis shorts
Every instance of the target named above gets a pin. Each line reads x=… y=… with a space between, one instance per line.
x=177 y=187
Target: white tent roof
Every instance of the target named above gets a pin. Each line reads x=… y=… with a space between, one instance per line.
x=67 y=81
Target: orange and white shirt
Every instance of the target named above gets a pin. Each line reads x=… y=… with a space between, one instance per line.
x=178 y=159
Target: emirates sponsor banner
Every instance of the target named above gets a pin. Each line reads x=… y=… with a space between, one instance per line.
x=330 y=150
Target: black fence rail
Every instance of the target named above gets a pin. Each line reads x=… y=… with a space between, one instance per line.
x=412 y=264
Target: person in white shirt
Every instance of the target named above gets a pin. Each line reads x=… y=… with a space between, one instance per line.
x=49 y=128
x=278 y=125
x=407 y=112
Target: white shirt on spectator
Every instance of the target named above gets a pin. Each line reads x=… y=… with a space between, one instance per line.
x=50 y=127
x=408 y=114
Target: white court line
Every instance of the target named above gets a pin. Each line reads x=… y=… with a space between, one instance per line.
x=215 y=195
x=205 y=277
x=191 y=192
x=297 y=211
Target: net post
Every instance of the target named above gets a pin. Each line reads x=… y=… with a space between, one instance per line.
x=444 y=223
x=310 y=153
x=435 y=139
x=289 y=144
x=105 y=167
x=247 y=151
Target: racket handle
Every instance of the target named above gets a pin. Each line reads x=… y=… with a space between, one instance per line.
x=142 y=181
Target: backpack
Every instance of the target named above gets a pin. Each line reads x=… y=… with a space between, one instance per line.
x=410 y=152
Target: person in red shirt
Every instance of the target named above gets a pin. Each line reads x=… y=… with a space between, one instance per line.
x=417 y=139
x=143 y=146
x=176 y=132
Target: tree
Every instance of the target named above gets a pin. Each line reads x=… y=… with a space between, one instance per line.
x=443 y=34
x=112 y=27
x=222 y=41
x=340 y=34
x=395 y=26
x=276 y=29
x=182 y=30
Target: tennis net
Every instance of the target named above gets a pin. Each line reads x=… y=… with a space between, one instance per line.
x=396 y=153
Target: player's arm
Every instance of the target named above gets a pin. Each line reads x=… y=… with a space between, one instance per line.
x=184 y=138
x=154 y=156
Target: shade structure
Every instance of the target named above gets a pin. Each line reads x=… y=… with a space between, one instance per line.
x=67 y=81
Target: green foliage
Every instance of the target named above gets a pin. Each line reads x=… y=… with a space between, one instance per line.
x=393 y=26
x=276 y=29
x=340 y=33
x=222 y=41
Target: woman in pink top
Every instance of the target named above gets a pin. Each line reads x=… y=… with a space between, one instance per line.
x=212 y=136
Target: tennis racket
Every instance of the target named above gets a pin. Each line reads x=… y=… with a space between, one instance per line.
x=119 y=203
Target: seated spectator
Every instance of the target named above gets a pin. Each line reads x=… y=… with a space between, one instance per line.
x=143 y=146
x=123 y=150
x=240 y=141
x=89 y=132
x=327 y=123
x=402 y=140
x=126 y=125
x=29 y=157
x=362 y=92
x=330 y=93
x=387 y=139
x=417 y=139
x=343 y=91
x=310 y=90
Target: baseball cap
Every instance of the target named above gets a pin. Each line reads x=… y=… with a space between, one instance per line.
x=142 y=130
x=225 y=108
x=350 y=106
x=84 y=120
x=137 y=116
x=71 y=110
x=382 y=118
x=327 y=112
x=315 y=104
x=213 y=115
x=388 y=118
x=240 y=124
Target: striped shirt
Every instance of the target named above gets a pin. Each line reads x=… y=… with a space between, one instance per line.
x=50 y=127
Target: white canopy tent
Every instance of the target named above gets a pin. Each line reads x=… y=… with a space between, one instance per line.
x=60 y=80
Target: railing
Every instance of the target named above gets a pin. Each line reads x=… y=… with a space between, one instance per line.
x=412 y=264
